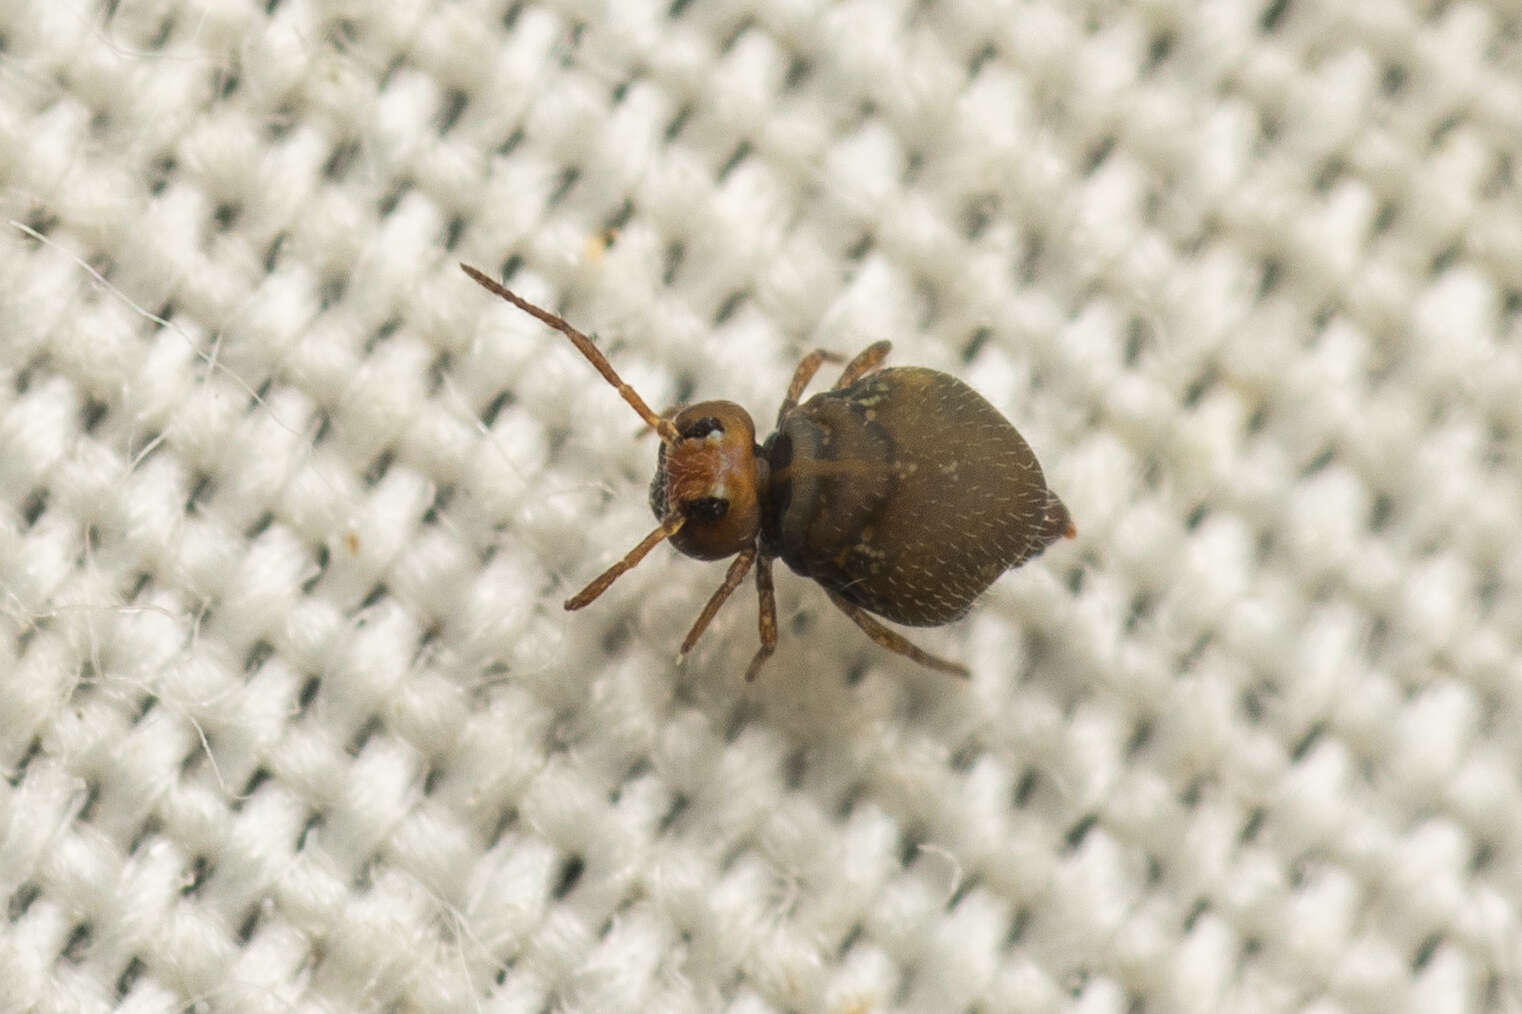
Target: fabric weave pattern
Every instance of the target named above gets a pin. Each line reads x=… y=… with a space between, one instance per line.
x=291 y=718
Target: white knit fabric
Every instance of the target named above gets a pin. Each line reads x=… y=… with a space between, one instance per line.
x=291 y=718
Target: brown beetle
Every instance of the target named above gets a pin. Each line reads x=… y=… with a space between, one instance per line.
x=901 y=491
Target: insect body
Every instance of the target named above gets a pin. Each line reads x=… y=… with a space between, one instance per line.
x=901 y=491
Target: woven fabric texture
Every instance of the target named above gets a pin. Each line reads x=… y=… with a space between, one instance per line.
x=291 y=717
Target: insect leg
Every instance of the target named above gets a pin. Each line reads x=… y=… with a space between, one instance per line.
x=768 y=620
x=737 y=572
x=893 y=641
x=867 y=360
x=669 y=527
x=807 y=367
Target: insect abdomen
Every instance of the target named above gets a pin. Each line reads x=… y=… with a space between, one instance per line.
x=908 y=494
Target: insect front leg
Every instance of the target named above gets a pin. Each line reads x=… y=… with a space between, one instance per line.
x=767 y=599
x=865 y=361
x=737 y=572
x=807 y=367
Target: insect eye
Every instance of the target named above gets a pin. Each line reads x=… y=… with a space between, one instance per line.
x=709 y=508
x=699 y=428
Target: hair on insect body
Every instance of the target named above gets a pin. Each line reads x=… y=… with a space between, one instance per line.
x=900 y=490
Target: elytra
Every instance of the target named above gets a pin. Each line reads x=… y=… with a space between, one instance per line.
x=901 y=491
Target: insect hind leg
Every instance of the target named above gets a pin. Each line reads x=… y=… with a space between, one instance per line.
x=895 y=642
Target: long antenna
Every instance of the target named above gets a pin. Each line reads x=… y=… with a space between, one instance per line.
x=663 y=427
x=669 y=526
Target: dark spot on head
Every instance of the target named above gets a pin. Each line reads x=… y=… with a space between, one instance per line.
x=699 y=428
x=709 y=508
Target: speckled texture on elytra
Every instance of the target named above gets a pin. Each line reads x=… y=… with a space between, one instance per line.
x=291 y=718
